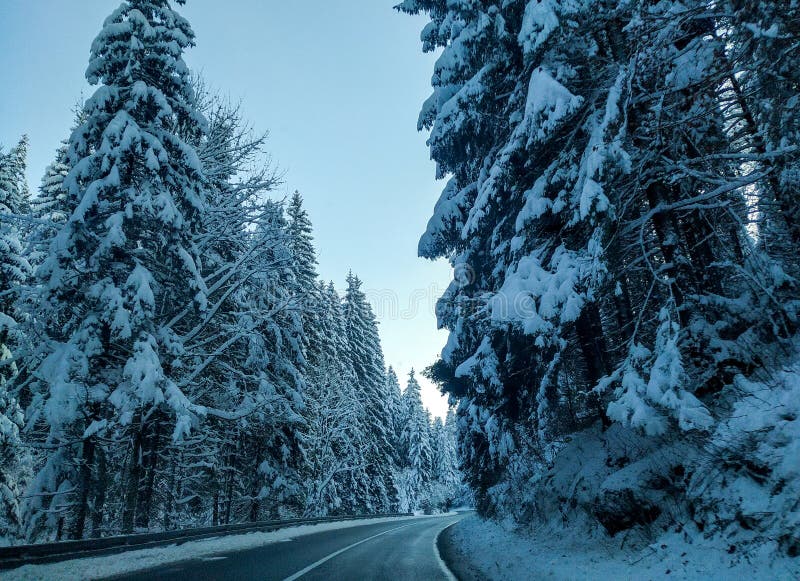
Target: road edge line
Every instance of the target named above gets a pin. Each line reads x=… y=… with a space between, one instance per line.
x=327 y=558
x=442 y=564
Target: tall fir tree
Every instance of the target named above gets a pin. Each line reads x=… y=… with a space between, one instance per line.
x=366 y=357
x=122 y=261
x=15 y=271
x=415 y=439
x=304 y=265
x=15 y=268
x=51 y=203
x=395 y=406
x=596 y=217
x=13 y=183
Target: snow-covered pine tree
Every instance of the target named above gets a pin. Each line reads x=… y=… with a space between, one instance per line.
x=14 y=272
x=332 y=439
x=15 y=268
x=415 y=444
x=49 y=207
x=596 y=218
x=437 y=450
x=14 y=206
x=353 y=483
x=443 y=447
x=302 y=244
x=394 y=398
x=366 y=356
x=122 y=259
x=688 y=213
x=449 y=470
x=273 y=440
x=304 y=264
x=445 y=486
x=334 y=432
x=50 y=204
x=522 y=215
x=14 y=456
x=13 y=182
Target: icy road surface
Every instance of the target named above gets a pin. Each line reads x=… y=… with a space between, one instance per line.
x=398 y=549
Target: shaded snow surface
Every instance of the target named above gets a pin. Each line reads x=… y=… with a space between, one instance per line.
x=497 y=552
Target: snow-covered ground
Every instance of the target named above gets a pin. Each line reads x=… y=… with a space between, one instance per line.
x=498 y=553
x=106 y=566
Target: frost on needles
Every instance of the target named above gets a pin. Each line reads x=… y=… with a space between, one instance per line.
x=621 y=213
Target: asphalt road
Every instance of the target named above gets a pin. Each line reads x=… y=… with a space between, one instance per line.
x=397 y=550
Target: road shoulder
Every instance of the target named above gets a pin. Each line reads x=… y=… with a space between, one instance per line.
x=139 y=560
x=454 y=556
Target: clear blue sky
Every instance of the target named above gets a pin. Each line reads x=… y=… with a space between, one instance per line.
x=338 y=84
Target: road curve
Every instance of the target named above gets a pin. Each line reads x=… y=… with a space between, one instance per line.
x=396 y=550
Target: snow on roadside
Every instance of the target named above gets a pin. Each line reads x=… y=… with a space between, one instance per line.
x=498 y=553
x=108 y=565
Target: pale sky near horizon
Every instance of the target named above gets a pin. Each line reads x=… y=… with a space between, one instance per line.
x=337 y=84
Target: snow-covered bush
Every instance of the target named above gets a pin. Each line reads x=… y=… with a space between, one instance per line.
x=747 y=481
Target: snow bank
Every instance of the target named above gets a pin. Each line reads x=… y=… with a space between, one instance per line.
x=616 y=504
x=106 y=566
x=500 y=553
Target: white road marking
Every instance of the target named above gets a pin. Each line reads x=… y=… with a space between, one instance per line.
x=316 y=564
x=442 y=565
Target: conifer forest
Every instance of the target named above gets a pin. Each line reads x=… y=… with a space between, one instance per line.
x=620 y=211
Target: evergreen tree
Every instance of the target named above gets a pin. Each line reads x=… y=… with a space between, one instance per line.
x=302 y=243
x=13 y=183
x=304 y=263
x=598 y=158
x=332 y=441
x=14 y=272
x=279 y=345
x=352 y=477
x=122 y=258
x=15 y=268
x=51 y=206
x=447 y=466
x=763 y=76
x=366 y=356
x=416 y=440
x=395 y=407
x=51 y=203
x=447 y=488
x=14 y=457
x=14 y=265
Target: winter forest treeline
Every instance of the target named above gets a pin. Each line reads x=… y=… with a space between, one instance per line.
x=169 y=356
x=623 y=218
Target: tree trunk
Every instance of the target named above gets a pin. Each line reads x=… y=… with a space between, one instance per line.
x=100 y=486
x=132 y=482
x=229 y=485
x=170 y=497
x=668 y=237
x=215 y=508
x=84 y=487
x=589 y=329
x=144 y=502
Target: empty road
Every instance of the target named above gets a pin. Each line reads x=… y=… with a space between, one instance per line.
x=402 y=549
